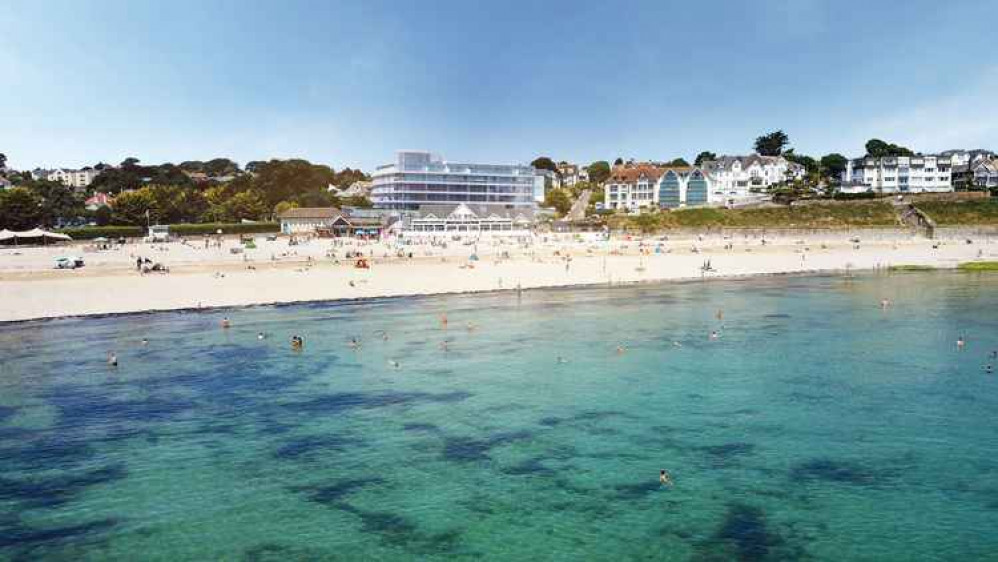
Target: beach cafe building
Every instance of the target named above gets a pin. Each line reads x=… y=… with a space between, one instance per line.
x=328 y=222
x=469 y=220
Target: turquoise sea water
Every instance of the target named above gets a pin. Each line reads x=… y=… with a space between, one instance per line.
x=818 y=427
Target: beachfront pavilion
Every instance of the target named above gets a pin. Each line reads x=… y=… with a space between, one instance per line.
x=329 y=221
x=465 y=219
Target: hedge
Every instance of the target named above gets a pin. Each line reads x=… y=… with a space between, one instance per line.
x=230 y=228
x=91 y=232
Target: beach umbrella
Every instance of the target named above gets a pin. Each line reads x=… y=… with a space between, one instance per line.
x=100 y=239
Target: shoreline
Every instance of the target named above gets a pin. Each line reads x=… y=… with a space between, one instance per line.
x=372 y=299
x=219 y=280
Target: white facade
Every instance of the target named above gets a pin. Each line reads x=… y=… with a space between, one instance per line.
x=898 y=174
x=77 y=179
x=461 y=220
x=740 y=177
x=632 y=188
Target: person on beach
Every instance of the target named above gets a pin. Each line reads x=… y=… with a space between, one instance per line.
x=226 y=324
x=664 y=477
x=112 y=359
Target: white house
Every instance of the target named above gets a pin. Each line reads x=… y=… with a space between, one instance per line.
x=77 y=179
x=898 y=174
x=738 y=177
x=985 y=174
x=572 y=174
x=632 y=187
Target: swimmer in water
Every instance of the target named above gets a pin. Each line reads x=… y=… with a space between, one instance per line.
x=145 y=341
x=260 y=336
x=664 y=478
x=714 y=336
x=395 y=364
x=443 y=345
x=226 y=323
x=384 y=336
x=297 y=342
x=112 y=359
x=354 y=344
x=443 y=320
x=620 y=349
x=720 y=314
x=884 y=303
x=989 y=369
x=676 y=344
x=472 y=326
x=994 y=354
x=960 y=342
x=562 y=360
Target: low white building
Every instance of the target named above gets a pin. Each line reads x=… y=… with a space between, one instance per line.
x=308 y=219
x=468 y=220
x=5 y=183
x=898 y=174
x=77 y=179
x=740 y=177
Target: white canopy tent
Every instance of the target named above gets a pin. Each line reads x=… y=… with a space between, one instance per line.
x=34 y=233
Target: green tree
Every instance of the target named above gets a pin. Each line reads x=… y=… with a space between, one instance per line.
x=678 y=163
x=877 y=148
x=833 y=165
x=772 y=144
x=559 y=199
x=102 y=215
x=598 y=171
x=704 y=156
x=3 y=160
x=284 y=206
x=59 y=201
x=358 y=201
x=618 y=162
x=130 y=207
x=283 y=180
x=249 y=205
x=544 y=163
x=20 y=209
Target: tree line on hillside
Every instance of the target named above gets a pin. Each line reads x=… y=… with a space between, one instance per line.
x=165 y=194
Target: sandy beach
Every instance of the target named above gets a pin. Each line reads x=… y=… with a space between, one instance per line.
x=318 y=269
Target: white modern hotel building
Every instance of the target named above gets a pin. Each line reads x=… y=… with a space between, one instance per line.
x=898 y=174
x=419 y=178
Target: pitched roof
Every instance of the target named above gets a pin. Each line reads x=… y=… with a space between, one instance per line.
x=634 y=172
x=311 y=213
x=481 y=211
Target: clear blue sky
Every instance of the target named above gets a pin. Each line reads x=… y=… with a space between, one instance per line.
x=349 y=83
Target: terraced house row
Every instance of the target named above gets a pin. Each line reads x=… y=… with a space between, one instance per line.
x=728 y=180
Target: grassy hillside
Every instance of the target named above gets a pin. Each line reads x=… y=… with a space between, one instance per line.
x=951 y=213
x=838 y=215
